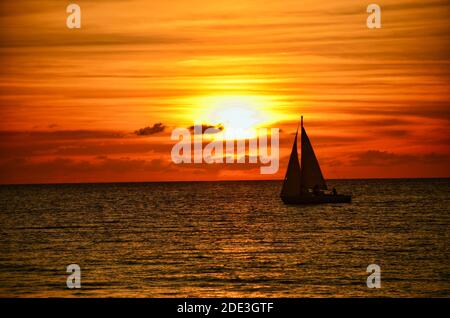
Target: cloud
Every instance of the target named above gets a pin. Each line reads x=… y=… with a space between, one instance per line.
x=361 y=123
x=212 y=129
x=100 y=168
x=108 y=169
x=61 y=134
x=377 y=157
x=34 y=144
x=406 y=108
x=147 y=131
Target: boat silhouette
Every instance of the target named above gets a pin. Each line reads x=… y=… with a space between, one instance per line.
x=304 y=182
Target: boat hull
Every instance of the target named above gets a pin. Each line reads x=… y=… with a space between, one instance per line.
x=317 y=199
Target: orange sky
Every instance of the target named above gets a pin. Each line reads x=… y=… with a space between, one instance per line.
x=376 y=102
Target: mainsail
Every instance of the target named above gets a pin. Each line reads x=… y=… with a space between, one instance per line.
x=311 y=175
x=291 y=184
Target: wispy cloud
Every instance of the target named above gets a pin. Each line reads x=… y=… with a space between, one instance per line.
x=382 y=158
x=150 y=130
x=208 y=129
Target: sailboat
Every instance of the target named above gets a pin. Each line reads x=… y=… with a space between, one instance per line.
x=304 y=182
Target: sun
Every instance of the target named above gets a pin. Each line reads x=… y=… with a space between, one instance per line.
x=240 y=115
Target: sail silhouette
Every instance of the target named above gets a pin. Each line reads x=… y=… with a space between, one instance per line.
x=291 y=184
x=304 y=181
x=311 y=175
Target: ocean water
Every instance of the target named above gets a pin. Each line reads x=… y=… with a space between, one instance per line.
x=224 y=239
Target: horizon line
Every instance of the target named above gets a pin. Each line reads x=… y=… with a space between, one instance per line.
x=206 y=181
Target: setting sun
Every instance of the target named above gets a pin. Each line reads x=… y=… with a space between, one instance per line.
x=240 y=115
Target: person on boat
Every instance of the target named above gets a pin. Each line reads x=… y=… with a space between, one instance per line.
x=316 y=190
x=334 y=191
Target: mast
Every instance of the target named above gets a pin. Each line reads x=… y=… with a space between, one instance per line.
x=301 y=153
x=301 y=141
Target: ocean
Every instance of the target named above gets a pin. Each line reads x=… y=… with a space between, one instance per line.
x=224 y=239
